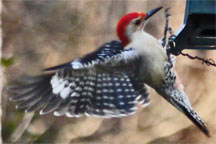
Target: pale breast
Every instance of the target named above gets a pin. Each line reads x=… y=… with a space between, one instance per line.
x=153 y=57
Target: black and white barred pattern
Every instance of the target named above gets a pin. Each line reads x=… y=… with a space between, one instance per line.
x=96 y=94
x=86 y=87
x=174 y=93
x=170 y=74
x=74 y=93
x=100 y=56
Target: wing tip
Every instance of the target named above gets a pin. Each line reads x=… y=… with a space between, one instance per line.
x=57 y=67
x=56 y=113
x=68 y=114
x=42 y=112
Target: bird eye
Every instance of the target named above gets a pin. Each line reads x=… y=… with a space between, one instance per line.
x=137 y=22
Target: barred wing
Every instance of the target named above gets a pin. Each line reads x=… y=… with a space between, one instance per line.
x=102 y=55
x=91 y=90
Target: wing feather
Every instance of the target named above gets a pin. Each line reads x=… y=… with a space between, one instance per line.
x=103 y=54
x=100 y=84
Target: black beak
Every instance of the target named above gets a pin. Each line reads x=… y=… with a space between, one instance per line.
x=152 y=12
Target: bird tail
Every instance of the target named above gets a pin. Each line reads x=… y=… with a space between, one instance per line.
x=179 y=99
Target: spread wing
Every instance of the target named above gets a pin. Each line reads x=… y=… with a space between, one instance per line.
x=102 y=55
x=102 y=83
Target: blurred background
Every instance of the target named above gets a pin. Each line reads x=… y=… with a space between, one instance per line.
x=43 y=33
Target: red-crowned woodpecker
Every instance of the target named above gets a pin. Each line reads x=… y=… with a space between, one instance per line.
x=110 y=82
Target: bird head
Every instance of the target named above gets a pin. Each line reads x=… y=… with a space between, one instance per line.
x=133 y=22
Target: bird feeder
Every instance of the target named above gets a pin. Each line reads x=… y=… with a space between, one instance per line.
x=199 y=29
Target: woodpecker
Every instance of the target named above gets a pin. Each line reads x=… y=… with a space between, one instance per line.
x=111 y=81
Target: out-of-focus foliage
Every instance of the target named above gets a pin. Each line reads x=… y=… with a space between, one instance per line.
x=43 y=33
x=7 y=61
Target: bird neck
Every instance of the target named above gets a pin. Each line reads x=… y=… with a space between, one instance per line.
x=124 y=38
x=146 y=44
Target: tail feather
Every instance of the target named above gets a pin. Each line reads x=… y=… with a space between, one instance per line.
x=195 y=118
x=179 y=99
